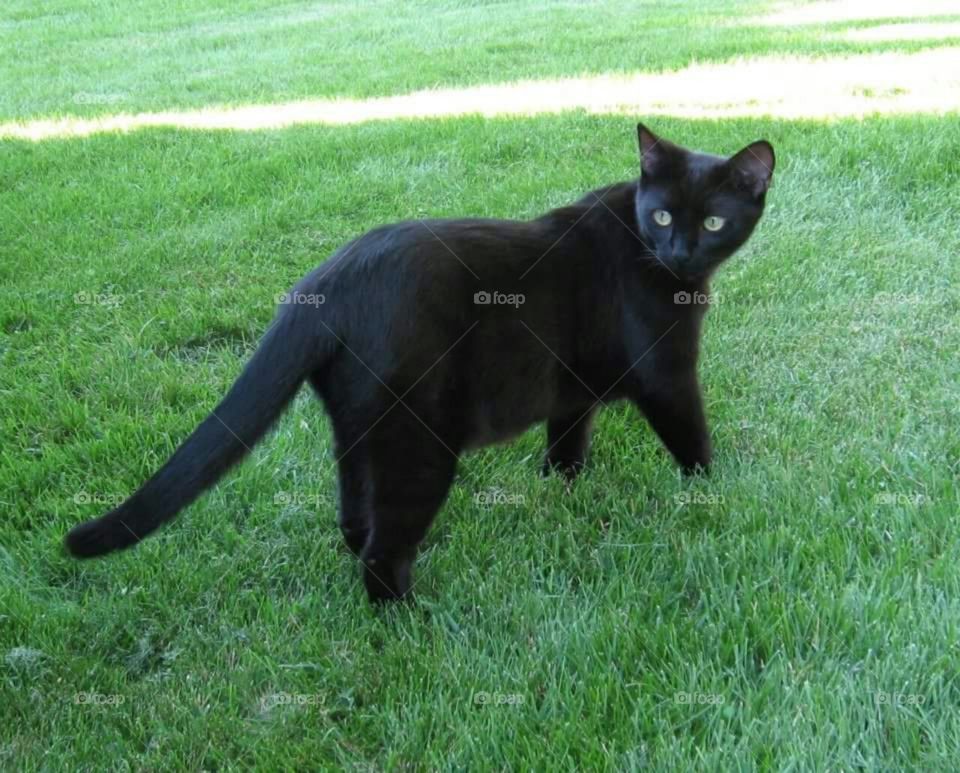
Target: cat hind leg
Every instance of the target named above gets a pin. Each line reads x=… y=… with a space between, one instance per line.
x=412 y=473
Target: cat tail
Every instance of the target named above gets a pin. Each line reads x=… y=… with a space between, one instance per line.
x=291 y=350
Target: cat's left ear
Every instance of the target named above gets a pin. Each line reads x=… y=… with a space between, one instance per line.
x=752 y=167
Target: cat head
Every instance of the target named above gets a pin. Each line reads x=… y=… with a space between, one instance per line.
x=695 y=210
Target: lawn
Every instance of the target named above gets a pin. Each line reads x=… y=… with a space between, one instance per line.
x=78 y=57
x=799 y=609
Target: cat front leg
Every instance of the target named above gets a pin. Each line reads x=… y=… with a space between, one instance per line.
x=674 y=408
x=568 y=440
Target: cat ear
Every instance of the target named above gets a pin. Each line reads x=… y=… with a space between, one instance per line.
x=752 y=167
x=653 y=151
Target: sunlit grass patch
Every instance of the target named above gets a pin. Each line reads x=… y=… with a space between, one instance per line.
x=869 y=84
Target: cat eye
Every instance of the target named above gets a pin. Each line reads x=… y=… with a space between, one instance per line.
x=714 y=223
x=662 y=217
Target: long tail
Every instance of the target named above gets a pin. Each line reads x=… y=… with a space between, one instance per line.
x=288 y=353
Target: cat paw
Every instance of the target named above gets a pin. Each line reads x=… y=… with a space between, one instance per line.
x=355 y=539
x=697 y=469
x=387 y=581
x=568 y=468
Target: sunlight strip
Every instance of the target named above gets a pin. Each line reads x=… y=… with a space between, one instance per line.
x=836 y=11
x=883 y=33
x=782 y=87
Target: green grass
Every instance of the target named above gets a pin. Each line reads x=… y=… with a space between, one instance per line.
x=66 y=57
x=813 y=576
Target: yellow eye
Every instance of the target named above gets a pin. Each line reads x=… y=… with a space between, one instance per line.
x=662 y=217
x=714 y=223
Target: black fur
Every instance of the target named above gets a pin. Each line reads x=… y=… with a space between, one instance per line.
x=414 y=369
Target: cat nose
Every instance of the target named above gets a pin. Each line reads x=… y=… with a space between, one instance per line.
x=680 y=249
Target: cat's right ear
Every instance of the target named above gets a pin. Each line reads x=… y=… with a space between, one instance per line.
x=653 y=151
x=753 y=166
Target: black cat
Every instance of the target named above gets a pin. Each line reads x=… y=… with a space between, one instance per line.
x=428 y=338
